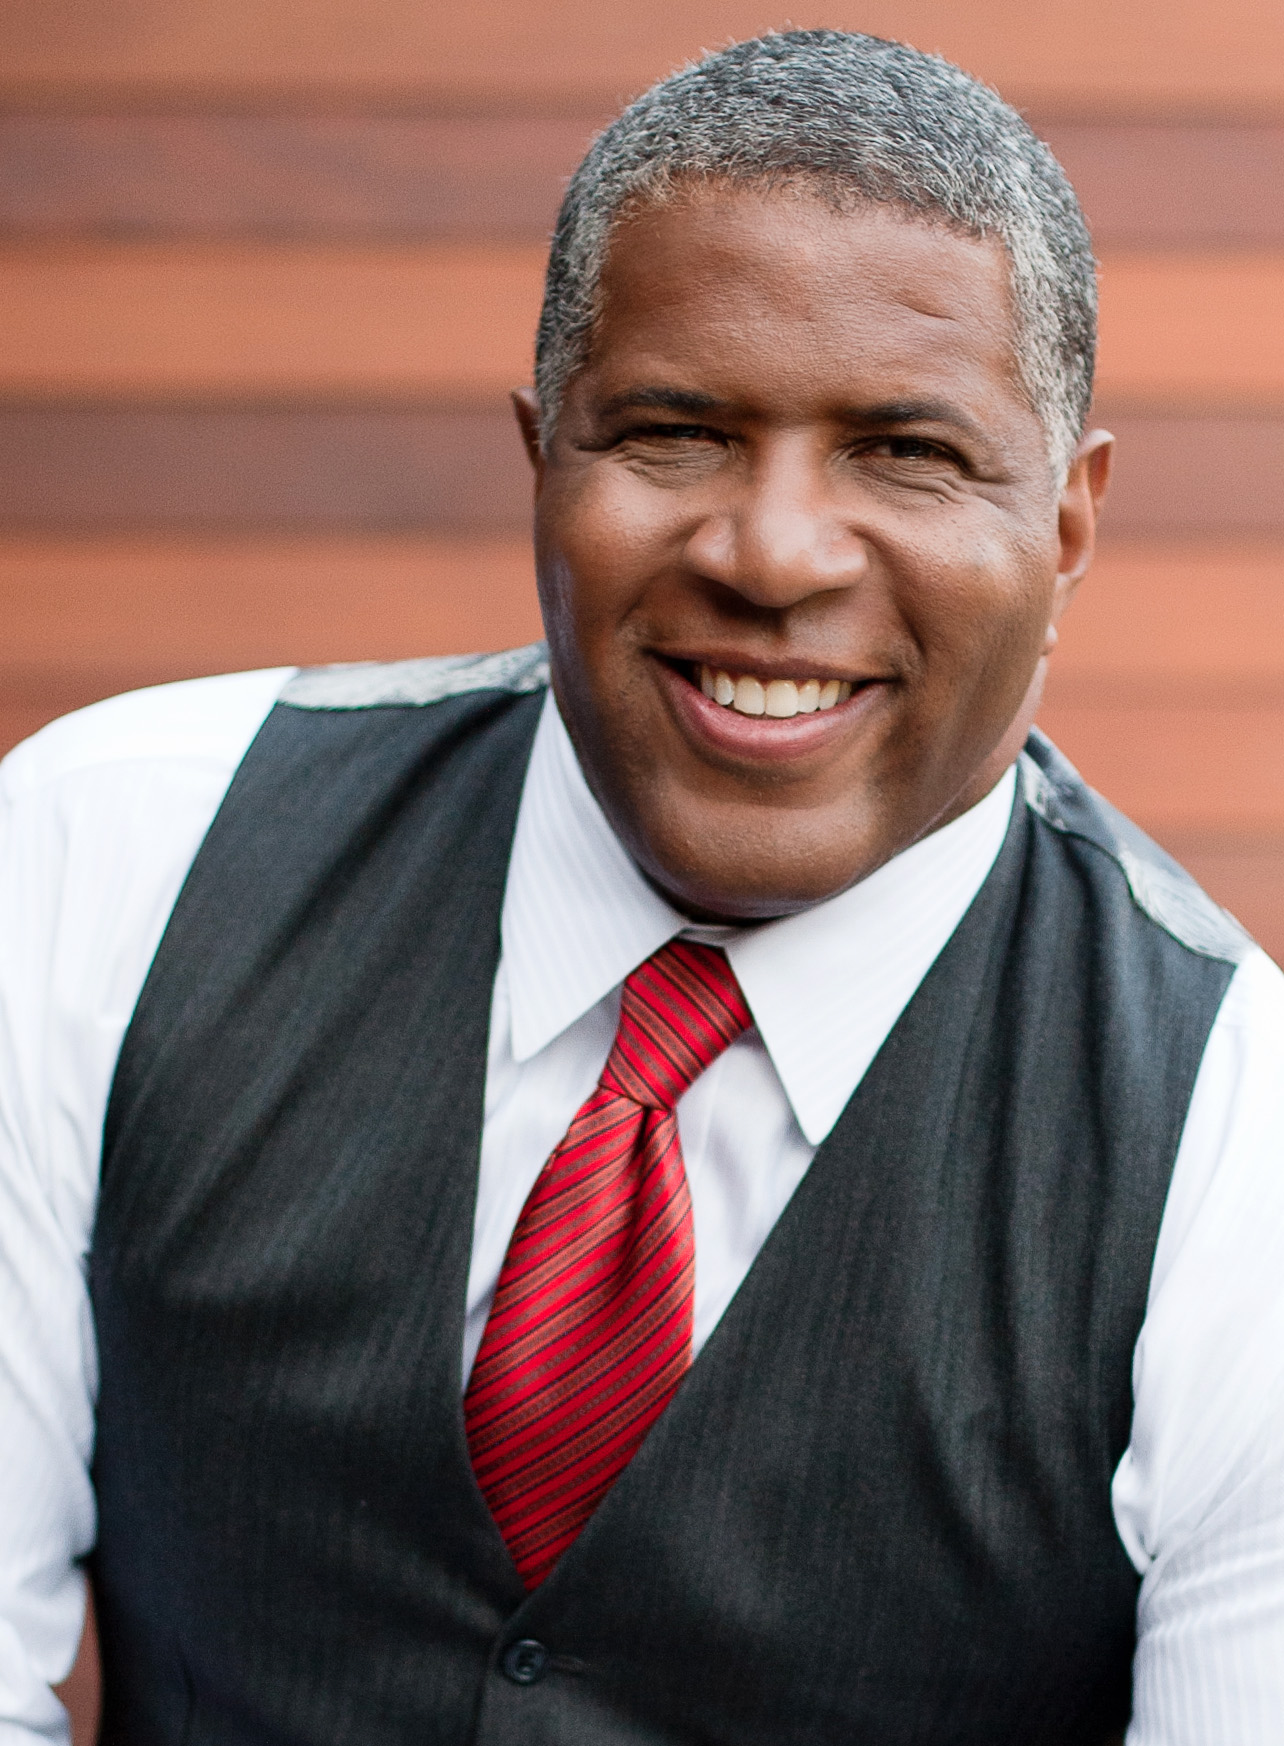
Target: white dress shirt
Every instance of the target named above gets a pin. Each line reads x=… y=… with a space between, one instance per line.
x=100 y=817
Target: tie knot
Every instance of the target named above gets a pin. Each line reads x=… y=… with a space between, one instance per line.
x=678 y=1012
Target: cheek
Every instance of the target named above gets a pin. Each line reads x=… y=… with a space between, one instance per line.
x=600 y=540
x=983 y=605
x=608 y=511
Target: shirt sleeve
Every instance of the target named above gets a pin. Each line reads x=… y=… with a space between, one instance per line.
x=1199 y=1495
x=46 y=1344
x=100 y=817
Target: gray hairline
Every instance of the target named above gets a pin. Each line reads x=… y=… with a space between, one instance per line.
x=1031 y=268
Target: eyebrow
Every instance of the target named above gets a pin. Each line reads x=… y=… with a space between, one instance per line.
x=686 y=400
x=926 y=411
x=694 y=404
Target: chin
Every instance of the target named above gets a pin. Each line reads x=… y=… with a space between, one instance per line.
x=723 y=883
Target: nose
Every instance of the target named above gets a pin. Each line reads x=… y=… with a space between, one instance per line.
x=779 y=536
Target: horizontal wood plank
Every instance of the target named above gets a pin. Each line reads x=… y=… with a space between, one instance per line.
x=1204 y=328
x=1194 y=633
x=323 y=177
x=436 y=467
x=1167 y=689
x=1180 y=766
x=1182 y=736
x=86 y=618
x=236 y=469
x=155 y=321
x=1181 y=474
x=1193 y=184
x=1182 y=51
x=1170 y=621
x=1172 y=184
x=1166 y=622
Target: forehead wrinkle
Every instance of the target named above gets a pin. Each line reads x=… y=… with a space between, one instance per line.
x=664 y=399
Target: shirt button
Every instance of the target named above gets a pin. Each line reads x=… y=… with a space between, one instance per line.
x=525 y=1661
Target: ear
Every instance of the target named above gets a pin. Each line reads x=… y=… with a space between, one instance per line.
x=1081 y=499
x=526 y=406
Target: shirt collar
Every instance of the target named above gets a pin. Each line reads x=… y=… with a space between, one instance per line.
x=824 y=986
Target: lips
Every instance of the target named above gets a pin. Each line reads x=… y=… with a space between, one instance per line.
x=751 y=737
x=781 y=699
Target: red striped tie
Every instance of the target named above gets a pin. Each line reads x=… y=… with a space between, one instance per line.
x=590 y=1331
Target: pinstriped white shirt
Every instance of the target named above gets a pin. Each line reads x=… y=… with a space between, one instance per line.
x=100 y=817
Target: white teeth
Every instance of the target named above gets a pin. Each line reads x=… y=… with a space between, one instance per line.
x=750 y=698
x=779 y=698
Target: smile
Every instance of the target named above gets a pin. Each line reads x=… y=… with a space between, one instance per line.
x=747 y=694
x=764 y=719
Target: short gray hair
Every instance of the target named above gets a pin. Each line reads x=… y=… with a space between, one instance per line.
x=864 y=119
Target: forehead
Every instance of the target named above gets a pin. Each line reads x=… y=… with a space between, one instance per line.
x=782 y=288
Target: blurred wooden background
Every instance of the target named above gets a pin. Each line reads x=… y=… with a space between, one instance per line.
x=267 y=269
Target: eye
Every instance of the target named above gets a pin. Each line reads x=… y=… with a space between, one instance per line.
x=671 y=433
x=909 y=448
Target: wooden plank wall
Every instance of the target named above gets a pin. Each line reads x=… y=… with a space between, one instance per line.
x=266 y=272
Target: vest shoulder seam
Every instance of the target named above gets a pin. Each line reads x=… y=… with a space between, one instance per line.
x=1164 y=893
x=413 y=684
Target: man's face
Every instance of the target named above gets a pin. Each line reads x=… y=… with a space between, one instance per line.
x=797 y=465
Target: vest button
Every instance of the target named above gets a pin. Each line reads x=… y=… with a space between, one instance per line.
x=525 y=1661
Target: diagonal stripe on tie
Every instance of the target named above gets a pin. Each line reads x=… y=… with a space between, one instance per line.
x=590 y=1330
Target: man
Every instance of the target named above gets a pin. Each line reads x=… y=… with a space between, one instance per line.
x=725 y=1200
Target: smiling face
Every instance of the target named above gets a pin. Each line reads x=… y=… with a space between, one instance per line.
x=798 y=546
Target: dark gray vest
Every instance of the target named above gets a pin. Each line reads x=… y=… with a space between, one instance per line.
x=876 y=1511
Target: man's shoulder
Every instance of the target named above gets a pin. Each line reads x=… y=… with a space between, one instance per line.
x=414 y=684
x=202 y=722
x=212 y=721
x=1161 y=890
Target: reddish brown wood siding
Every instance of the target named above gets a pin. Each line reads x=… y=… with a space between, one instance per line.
x=266 y=272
